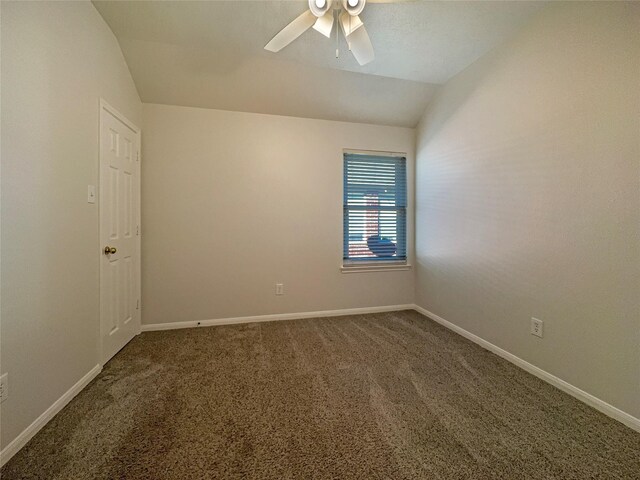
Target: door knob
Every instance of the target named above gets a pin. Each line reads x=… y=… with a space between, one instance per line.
x=108 y=250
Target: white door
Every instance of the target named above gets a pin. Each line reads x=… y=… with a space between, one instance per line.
x=119 y=231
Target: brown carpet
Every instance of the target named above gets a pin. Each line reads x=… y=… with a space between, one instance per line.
x=390 y=395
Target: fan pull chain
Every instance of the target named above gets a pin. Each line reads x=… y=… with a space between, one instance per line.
x=337 y=20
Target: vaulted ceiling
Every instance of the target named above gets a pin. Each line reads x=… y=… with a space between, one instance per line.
x=210 y=54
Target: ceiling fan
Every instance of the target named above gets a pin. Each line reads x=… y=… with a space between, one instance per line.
x=322 y=14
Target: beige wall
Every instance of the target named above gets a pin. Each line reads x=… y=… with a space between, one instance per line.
x=58 y=59
x=528 y=198
x=233 y=203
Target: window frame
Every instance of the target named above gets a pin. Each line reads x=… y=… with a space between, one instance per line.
x=376 y=265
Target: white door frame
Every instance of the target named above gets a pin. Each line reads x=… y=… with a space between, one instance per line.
x=104 y=105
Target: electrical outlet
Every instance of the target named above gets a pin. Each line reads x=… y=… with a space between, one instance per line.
x=536 y=327
x=279 y=289
x=4 y=387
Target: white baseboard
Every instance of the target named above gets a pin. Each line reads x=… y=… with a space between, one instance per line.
x=274 y=317
x=600 y=405
x=28 y=433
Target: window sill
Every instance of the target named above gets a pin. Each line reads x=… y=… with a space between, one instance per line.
x=374 y=268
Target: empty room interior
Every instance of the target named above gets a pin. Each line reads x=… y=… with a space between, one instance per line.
x=319 y=239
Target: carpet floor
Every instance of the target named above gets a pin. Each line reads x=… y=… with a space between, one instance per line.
x=380 y=396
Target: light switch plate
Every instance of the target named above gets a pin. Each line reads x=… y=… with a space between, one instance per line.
x=91 y=194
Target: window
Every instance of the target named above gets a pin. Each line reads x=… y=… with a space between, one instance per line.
x=375 y=209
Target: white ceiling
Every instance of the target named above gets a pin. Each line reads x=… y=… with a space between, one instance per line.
x=210 y=54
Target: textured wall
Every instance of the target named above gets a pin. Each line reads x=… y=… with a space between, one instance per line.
x=234 y=202
x=528 y=198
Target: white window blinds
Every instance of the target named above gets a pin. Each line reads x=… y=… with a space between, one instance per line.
x=375 y=208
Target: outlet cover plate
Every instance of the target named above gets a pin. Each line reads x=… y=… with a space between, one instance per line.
x=537 y=327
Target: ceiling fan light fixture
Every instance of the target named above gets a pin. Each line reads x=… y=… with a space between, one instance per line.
x=353 y=7
x=319 y=7
x=322 y=20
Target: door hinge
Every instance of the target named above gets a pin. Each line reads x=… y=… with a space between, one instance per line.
x=137 y=229
x=138 y=156
x=138 y=304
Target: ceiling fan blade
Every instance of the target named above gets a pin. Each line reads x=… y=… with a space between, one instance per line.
x=292 y=31
x=324 y=24
x=360 y=46
x=349 y=23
